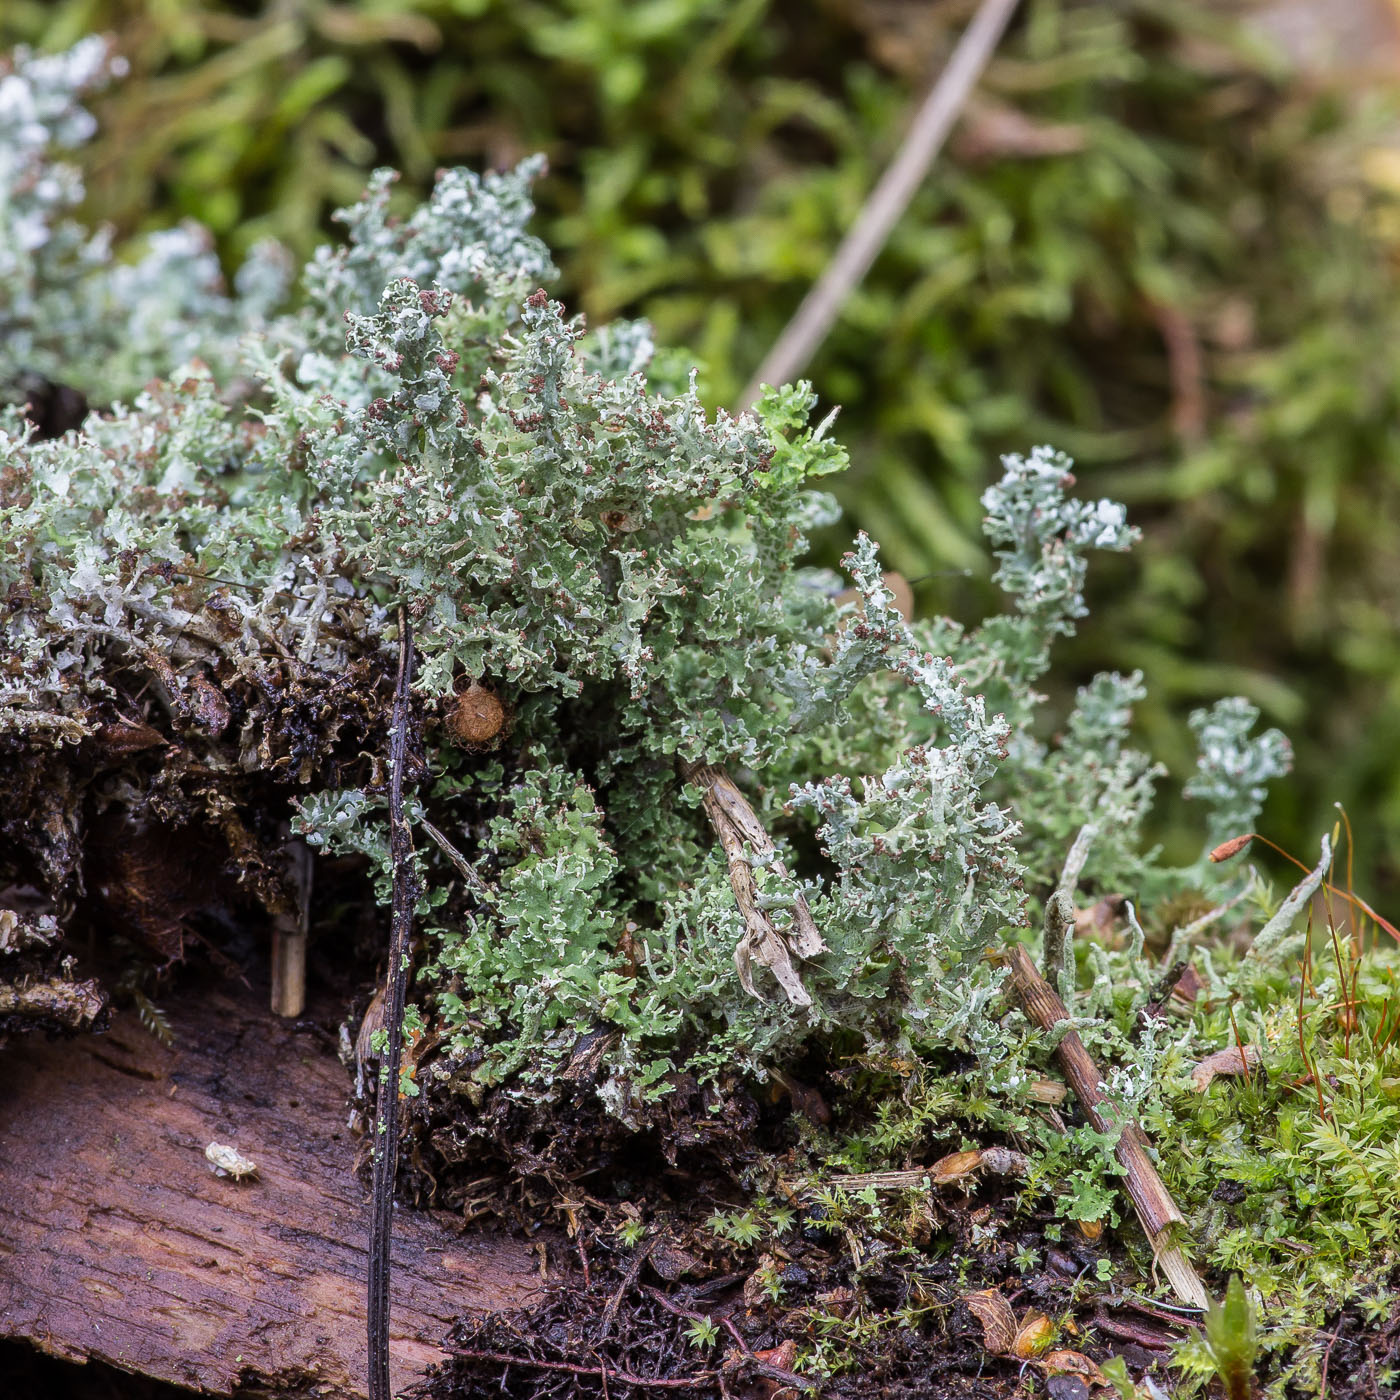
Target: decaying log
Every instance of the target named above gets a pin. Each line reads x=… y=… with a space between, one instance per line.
x=744 y=837
x=119 y=1243
x=1148 y=1193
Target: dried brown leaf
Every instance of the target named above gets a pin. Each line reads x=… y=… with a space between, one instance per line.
x=1232 y=1060
x=954 y=1167
x=1033 y=1337
x=1072 y=1363
x=997 y=1319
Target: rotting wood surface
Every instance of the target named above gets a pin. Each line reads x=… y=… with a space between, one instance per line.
x=119 y=1243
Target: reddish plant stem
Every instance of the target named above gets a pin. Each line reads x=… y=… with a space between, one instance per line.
x=698 y=1317
x=1354 y=900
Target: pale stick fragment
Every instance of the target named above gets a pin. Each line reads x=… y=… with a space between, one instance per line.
x=889 y=199
x=289 y=930
x=744 y=838
x=464 y=866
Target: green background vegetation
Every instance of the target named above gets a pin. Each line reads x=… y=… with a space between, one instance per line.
x=1151 y=244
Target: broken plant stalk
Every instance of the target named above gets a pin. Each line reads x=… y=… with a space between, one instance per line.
x=386 y=1112
x=289 y=930
x=744 y=838
x=804 y=334
x=1149 y=1195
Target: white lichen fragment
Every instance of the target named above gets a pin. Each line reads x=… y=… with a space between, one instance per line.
x=229 y=1161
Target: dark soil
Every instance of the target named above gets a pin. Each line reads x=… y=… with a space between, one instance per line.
x=1362 y=1360
x=27 y=1372
x=684 y=1312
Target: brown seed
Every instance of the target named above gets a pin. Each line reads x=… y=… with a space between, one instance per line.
x=476 y=716
x=954 y=1167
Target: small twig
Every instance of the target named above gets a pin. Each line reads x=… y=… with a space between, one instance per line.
x=467 y=869
x=386 y=1114
x=1130 y=1332
x=1327 y=1359
x=1162 y=990
x=1240 y=1048
x=1151 y=1199
x=675 y=1308
x=745 y=838
x=888 y=201
x=626 y=1377
x=583 y=1259
x=764 y=1368
x=1186 y=369
x=629 y=1280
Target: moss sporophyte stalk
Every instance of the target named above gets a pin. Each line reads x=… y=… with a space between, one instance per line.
x=680 y=814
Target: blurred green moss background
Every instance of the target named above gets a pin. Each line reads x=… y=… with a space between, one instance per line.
x=1156 y=240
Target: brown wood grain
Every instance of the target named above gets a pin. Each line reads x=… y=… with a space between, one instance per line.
x=118 y=1242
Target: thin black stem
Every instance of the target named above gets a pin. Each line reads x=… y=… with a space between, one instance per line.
x=386 y=1115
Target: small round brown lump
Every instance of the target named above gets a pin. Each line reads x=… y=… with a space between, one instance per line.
x=476 y=716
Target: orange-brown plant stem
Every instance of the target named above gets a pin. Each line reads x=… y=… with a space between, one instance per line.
x=1236 y=844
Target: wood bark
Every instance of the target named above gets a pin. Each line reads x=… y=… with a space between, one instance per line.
x=119 y=1243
